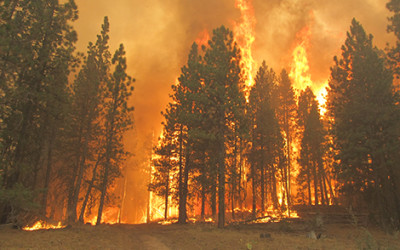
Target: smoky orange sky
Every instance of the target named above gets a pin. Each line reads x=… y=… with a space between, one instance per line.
x=157 y=35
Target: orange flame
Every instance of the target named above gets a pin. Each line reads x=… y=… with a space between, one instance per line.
x=321 y=98
x=245 y=36
x=300 y=68
x=43 y=225
x=202 y=38
x=299 y=71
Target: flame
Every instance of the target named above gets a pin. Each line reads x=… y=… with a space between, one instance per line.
x=43 y=225
x=299 y=72
x=109 y=216
x=202 y=38
x=321 y=98
x=245 y=36
x=156 y=204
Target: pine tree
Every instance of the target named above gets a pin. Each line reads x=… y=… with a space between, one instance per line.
x=165 y=165
x=266 y=140
x=223 y=88
x=311 y=147
x=287 y=119
x=37 y=44
x=394 y=26
x=365 y=117
x=86 y=116
x=117 y=121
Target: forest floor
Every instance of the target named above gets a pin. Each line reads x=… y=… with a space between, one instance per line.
x=287 y=234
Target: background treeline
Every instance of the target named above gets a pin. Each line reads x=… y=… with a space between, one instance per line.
x=60 y=132
x=221 y=150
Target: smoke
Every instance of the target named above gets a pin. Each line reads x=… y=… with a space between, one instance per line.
x=157 y=35
x=280 y=20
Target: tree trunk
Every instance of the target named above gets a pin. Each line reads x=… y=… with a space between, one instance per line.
x=48 y=170
x=81 y=168
x=166 y=197
x=203 y=186
x=182 y=203
x=82 y=213
x=289 y=166
x=314 y=169
x=185 y=187
x=221 y=186
x=213 y=191
x=254 y=188
x=203 y=202
x=262 y=184
x=72 y=181
x=274 y=191
x=309 y=184
x=240 y=199
x=107 y=164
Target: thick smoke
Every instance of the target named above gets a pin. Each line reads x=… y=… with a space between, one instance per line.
x=157 y=35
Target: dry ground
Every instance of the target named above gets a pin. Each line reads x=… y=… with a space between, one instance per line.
x=282 y=235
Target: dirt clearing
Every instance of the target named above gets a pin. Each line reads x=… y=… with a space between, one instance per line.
x=282 y=235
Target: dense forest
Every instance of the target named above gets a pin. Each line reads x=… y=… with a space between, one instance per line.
x=226 y=146
x=60 y=139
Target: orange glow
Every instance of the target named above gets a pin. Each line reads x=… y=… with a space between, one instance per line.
x=43 y=225
x=300 y=69
x=202 y=38
x=156 y=204
x=244 y=32
x=109 y=216
x=321 y=98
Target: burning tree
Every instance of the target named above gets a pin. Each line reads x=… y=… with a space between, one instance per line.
x=312 y=148
x=287 y=119
x=165 y=165
x=208 y=102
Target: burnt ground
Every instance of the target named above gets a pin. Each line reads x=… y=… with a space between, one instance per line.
x=289 y=234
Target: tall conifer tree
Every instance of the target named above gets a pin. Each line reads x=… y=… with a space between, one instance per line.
x=362 y=102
